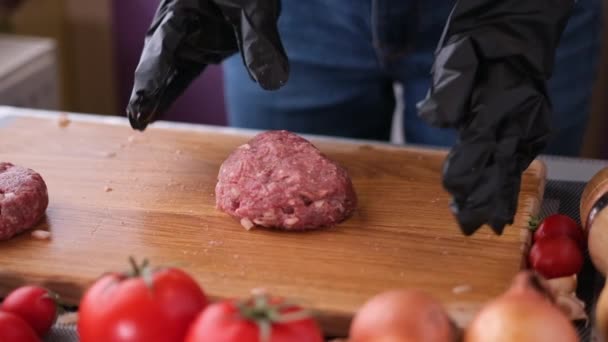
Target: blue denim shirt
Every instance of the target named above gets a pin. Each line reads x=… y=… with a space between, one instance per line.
x=346 y=55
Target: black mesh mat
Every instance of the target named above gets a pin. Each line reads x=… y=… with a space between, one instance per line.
x=63 y=333
x=560 y=197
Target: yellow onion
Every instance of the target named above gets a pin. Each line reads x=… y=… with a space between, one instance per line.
x=524 y=313
x=402 y=316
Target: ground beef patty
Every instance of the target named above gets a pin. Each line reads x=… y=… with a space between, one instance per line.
x=280 y=180
x=23 y=199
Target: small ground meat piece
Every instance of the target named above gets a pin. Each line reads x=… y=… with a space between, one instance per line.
x=280 y=180
x=23 y=199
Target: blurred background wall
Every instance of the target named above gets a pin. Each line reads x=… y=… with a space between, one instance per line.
x=82 y=32
x=596 y=142
x=99 y=43
x=98 y=46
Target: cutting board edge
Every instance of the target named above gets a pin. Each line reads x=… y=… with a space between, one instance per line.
x=539 y=168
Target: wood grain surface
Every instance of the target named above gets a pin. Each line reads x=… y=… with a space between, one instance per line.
x=161 y=206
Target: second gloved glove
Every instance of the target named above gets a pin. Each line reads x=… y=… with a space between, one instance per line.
x=489 y=82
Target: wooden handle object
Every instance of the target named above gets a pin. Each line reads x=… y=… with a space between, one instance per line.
x=594 y=218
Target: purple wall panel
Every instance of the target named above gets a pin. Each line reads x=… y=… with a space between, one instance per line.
x=203 y=102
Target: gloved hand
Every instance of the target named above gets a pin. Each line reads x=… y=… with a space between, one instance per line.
x=489 y=82
x=187 y=35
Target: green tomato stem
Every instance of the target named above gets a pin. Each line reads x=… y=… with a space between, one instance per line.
x=534 y=223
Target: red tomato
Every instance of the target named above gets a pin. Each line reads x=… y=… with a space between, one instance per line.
x=560 y=225
x=33 y=304
x=150 y=306
x=232 y=321
x=14 y=329
x=556 y=257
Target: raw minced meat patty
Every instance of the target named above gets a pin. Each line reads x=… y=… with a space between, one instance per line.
x=280 y=180
x=23 y=199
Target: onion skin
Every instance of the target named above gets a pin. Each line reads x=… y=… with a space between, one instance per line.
x=563 y=285
x=524 y=313
x=402 y=316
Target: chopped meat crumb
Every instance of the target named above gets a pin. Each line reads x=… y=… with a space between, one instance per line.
x=41 y=234
x=63 y=120
x=462 y=289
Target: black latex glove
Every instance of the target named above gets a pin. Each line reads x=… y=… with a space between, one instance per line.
x=187 y=35
x=489 y=82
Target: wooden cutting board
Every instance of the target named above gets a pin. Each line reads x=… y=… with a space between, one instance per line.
x=161 y=207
